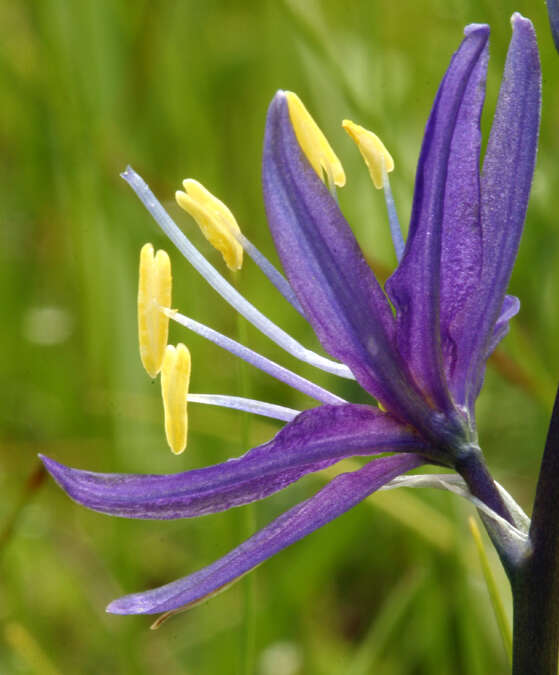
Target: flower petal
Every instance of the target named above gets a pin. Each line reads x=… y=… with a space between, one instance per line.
x=324 y=264
x=505 y=187
x=461 y=250
x=553 y=13
x=415 y=287
x=340 y=495
x=315 y=439
x=510 y=308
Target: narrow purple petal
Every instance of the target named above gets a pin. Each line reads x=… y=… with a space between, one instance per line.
x=313 y=440
x=553 y=13
x=510 y=308
x=326 y=268
x=340 y=495
x=505 y=187
x=461 y=257
x=415 y=287
x=258 y=361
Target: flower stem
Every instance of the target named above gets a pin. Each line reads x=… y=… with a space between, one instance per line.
x=471 y=466
x=535 y=586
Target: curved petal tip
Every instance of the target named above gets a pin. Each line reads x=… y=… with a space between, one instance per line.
x=117 y=607
x=472 y=28
x=517 y=18
x=51 y=466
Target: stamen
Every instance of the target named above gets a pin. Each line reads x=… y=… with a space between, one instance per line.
x=380 y=163
x=257 y=360
x=372 y=150
x=274 y=275
x=395 y=229
x=175 y=378
x=154 y=291
x=223 y=287
x=313 y=142
x=221 y=229
x=249 y=405
x=215 y=220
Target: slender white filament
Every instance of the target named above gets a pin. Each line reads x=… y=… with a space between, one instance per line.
x=395 y=229
x=457 y=485
x=278 y=412
x=274 y=275
x=223 y=287
x=257 y=360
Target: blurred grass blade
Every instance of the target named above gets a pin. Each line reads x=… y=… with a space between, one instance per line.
x=28 y=649
x=32 y=485
x=248 y=516
x=312 y=33
x=496 y=602
x=385 y=624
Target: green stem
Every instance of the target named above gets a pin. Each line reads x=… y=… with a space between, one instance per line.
x=248 y=525
x=492 y=589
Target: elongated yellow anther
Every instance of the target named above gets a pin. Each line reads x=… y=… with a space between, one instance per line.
x=313 y=142
x=215 y=220
x=154 y=292
x=175 y=378
x=373 y=151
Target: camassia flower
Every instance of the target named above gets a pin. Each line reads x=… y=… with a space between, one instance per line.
x=417 y=347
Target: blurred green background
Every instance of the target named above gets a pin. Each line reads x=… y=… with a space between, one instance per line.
x=180 y=89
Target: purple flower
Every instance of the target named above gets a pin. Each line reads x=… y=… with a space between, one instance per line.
x=553 y=13
x=424 y=363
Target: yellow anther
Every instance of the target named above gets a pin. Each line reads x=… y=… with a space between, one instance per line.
x=215 y=220
x=373 y=151
x=154 y=292
x=175 y=378
x=313 y=142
